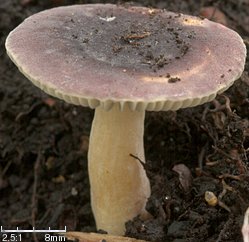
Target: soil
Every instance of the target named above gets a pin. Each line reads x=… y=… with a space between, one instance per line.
x=190 y=153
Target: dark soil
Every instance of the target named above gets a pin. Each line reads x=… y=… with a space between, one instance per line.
x=44 y=142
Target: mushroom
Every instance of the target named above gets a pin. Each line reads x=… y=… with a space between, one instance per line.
x=122 y=61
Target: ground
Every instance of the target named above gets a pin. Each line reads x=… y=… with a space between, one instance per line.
x=44 y=143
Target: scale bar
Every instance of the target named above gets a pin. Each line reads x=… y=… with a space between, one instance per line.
x=33 y=230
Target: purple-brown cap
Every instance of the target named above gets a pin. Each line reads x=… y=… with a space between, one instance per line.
x=148 y=59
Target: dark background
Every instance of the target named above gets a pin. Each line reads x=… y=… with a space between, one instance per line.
x=44 y=142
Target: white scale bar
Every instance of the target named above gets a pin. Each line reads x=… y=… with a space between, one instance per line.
x=33 y=230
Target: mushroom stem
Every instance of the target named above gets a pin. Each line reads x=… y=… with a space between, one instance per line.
x=119 y=185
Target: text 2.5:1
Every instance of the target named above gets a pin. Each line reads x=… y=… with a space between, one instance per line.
x=11 y=237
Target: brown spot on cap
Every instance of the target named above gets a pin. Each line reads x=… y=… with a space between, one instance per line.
x=174 y=79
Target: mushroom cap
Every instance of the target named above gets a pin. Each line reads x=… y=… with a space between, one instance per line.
x=149 y=59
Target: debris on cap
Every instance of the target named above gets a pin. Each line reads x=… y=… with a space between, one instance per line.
x=100 y=54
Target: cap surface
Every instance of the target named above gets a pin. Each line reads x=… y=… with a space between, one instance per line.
x=149 y=59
